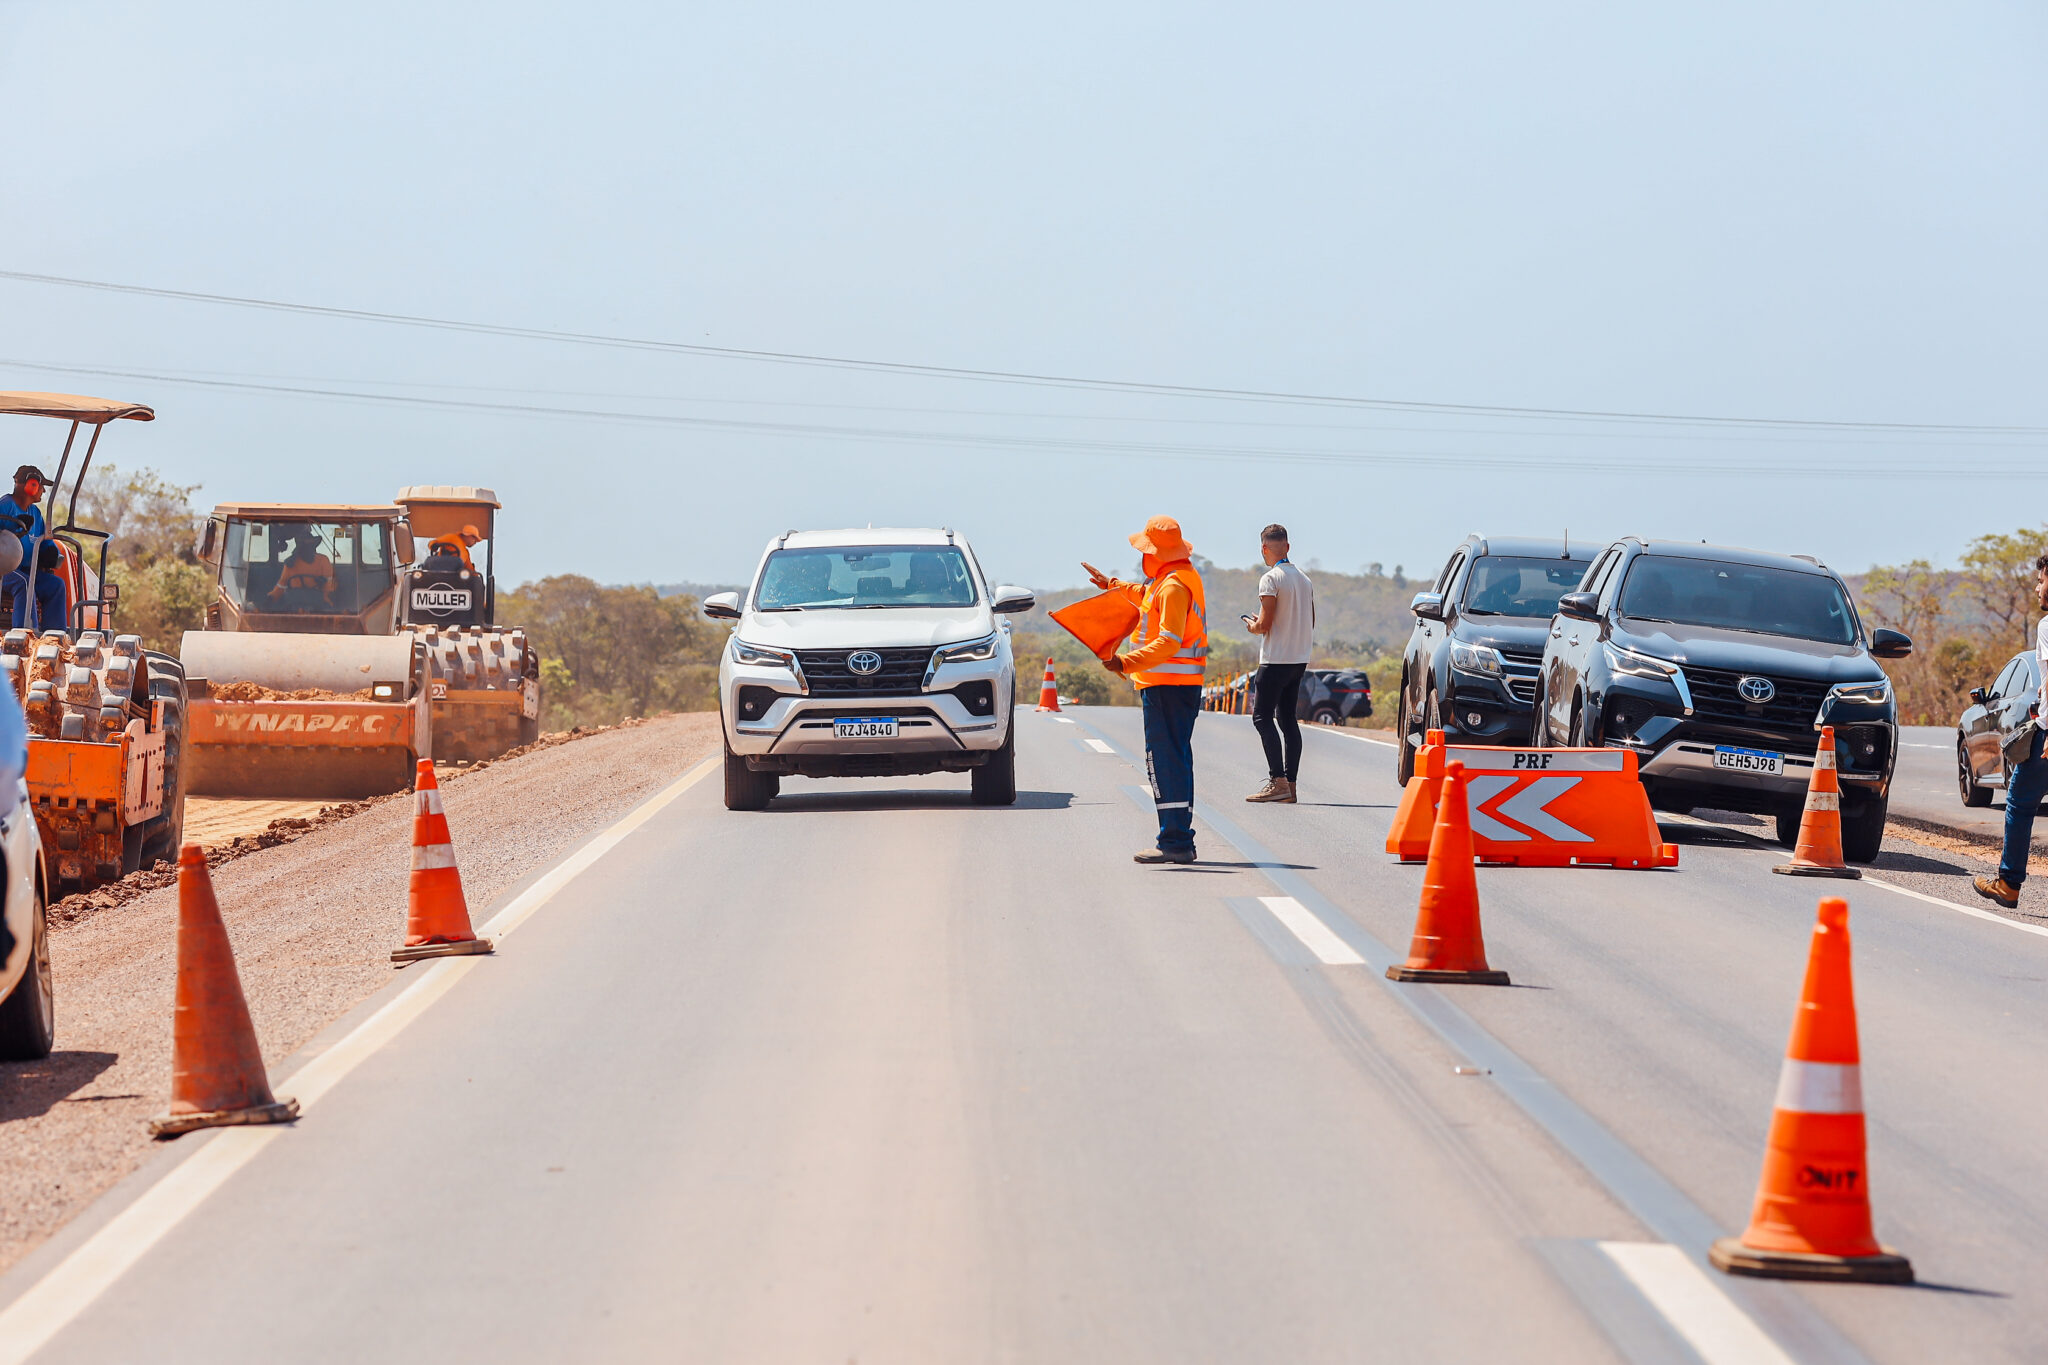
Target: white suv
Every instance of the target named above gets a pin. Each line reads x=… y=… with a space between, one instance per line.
x=867 y=654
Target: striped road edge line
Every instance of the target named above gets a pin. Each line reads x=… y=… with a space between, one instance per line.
x=49 y=1305
x=1694 y=1305
x=1970 y=910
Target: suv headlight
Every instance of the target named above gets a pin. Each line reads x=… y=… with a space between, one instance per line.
x=1638 y=665
x=1474 y=658
x=744 y=653
x=1864 y=694
x=973 y=652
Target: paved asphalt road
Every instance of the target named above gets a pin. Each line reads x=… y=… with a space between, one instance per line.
x=1924 y=784
x=877 y=1076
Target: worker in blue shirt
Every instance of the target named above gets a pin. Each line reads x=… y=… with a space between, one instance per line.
x=52 y=603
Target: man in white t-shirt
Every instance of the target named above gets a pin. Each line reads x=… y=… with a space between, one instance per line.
x=2029 y=780
x=1286 y=626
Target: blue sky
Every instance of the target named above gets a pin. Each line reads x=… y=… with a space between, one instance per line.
x=1820 y=212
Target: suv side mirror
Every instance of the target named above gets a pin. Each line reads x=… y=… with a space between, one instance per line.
x=1978 y=696
x=1580 y=606
x=722 y=606
x=1889 y=644
x=1006 y=599
x=1428 y=605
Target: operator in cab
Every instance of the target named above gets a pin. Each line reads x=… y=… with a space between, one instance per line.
x=1170 y=654
x=454 y=545
x=305 y=582
x=48 y=596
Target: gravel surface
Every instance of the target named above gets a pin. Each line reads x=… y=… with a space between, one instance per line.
x=313 y=923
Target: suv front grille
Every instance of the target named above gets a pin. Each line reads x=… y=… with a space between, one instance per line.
x=1714 y=698
x=1520 y=674
x=902 y=672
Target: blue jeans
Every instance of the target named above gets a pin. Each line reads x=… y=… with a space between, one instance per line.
x=1170 y=712
x=52 y=602
x=2023 y=793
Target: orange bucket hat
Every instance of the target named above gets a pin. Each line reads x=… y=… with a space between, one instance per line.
x=1162 y=537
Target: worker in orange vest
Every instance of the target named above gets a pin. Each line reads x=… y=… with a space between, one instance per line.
x=1169 y=655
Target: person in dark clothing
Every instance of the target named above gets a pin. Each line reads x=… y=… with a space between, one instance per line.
x=1285 y=626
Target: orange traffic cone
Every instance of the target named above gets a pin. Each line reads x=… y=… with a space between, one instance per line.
x=1812 y=1218
x=1819 y=851
x=1049 y=695
x=217 y=1076
x=1447 y=946
x=436 y=916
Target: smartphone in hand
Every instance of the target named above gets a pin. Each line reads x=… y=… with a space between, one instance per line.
x=1249 y=621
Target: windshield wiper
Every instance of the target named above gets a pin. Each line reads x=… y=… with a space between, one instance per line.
x=778 y=609
x=1482 y=611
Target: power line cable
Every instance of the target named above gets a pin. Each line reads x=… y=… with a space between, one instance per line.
x=994 y=376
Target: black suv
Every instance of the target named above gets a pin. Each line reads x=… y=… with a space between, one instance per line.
x=1470 y=667
x=1331 y=696
x=1718 y=667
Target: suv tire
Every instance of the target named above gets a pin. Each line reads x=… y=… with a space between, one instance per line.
x=1404 y=731
x=1863 y=830
x=994 y=783
x=28 y=1017
x=746 y=789
x=1326 y=715
x=1975 y=793
x=1788 y=826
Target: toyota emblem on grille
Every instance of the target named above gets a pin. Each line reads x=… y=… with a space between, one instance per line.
x=866 y=662
x=1756 y=691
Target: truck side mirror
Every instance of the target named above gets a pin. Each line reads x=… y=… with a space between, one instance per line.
x=722 y=606
x=401 y=540
x=1580 y=606
x=1890 y=644
x=1978 y=696
x=1428 y=605
x=1006 y=599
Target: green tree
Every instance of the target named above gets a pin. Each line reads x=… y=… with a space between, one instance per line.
x=1998 y=577
x=609 y=653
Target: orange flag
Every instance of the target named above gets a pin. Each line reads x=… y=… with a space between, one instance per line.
x=1100 y=622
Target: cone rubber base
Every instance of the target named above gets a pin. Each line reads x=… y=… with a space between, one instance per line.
x=170 y=1125
x=461 y=948
x=1816 y=870
x=1435 y=977
x=1887 y=1267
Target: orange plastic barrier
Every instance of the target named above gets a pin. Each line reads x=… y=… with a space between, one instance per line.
x=1812 y=1216
x=1100 y=622
x=1537 y=807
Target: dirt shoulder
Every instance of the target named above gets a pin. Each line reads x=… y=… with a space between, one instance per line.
x=314 y=912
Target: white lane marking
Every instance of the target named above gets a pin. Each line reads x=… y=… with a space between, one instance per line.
x=1313 y=933
x=1969 y=910
x=50 y=1304
x=1693 y=1304
x=1097 y=745
x=1063 y=720
x=1362 y=739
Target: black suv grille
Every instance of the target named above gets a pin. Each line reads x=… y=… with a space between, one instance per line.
x=827 y=672
x=1794 y=706
x=1522 y=672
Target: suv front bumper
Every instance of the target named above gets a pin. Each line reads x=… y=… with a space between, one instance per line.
x=937 y=730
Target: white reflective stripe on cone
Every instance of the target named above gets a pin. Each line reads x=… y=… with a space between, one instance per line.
x=427 y=801
x=1820 y=1087
x=434 y=855
x=1824 y=758
x=1823 y=800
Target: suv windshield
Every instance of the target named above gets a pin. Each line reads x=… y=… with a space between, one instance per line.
x=1502 y=586
x=304 y=567
x=865 y=576
x=1754 y=597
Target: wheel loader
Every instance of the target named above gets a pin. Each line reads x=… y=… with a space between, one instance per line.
x=106 y=718
x=331 y=662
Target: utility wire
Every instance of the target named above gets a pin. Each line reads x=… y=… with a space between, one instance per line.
x=1069 y=445
x=997 y=376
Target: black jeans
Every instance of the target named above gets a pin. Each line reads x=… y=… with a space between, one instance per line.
x=1279 y=689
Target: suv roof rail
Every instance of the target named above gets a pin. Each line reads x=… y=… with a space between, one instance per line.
x=949 y=534
x=783 y=539
x=1810 y=559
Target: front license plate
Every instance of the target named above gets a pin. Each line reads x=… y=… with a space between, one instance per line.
x=1749 y=760
x=865 y=727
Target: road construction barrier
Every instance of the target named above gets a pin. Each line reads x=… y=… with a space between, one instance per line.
x=436 y=915
x=1049 y=694
x=1819 y=850
x=217 y=1075
x=1537 y=807
x=1812 y=1215
x=1447 y=947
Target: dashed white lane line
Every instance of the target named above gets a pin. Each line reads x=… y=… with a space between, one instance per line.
x=1098 y=746
x=50 y=1304
x=1694 y=1305
x=1313 y=933
x=1063 y=720
x=1969 y=910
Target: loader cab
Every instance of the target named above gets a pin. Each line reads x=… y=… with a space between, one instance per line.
x=440 y=589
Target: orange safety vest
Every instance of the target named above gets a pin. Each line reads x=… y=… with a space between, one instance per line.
x=1192 y=658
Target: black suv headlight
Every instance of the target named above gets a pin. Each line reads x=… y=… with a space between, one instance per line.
x=1475 y=658
x=1863 y=693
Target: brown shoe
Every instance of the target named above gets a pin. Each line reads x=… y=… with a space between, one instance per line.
x=1276 y=789
x=1995 y=889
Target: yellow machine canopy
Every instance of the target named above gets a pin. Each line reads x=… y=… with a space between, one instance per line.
x=443 y=509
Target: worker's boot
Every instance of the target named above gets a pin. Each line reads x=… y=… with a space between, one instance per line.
x=1998 y=889
x=1160 y=855
x=1277 y=790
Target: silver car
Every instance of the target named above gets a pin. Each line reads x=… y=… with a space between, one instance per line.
x=870 y=653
